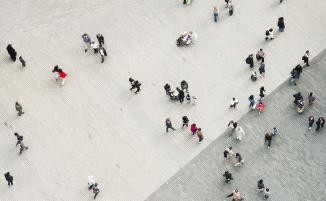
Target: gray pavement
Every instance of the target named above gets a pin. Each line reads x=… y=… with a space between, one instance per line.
x=293 y=168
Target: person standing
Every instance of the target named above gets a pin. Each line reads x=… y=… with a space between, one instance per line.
x=260 y=55
x=9 y=179
x=251 y=101
x=250 y=60
x=62 y=76
x=233 y=103
x=262 y=69
x=305 y=58
x=262 y=93
x=311 y=121
x=268 y=139
x=200 y=136
x=87 y=41
x=311 y=98
x=320 y=123
x=96 y=190
x=239 y=160
x=215 y=13
x=168 y=125
x=280 y=24
x=185 y=121
x=193 y=129
x=181 y=95
x=22 y=61
x=12 y=52
x=22 y=148
x=267 y=192
x=19 y=108
x=19 y=138
x=100 y=39
x=260 y=186
x=102 y=53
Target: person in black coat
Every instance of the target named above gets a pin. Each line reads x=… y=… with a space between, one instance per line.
x=228 y=176
x=185 y=121
x=100 y=39
x=12 y=52
x=250 y=60
x=181 y=95
x=280 y=24
x=9 y=179
x=19 y=138
x=167 y=89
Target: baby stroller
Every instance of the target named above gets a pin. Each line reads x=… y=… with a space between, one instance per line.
x=174 y=95
x=185 y=39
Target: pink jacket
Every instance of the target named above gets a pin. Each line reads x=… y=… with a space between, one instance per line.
x=193 y=128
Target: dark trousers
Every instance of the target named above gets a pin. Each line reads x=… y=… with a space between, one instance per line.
x=96 y=193
x=20 y=112
x=184 y=124
x=102 y=58
x=10 y=183
x=269 y=142
x=215 y=17
x=306 y=60
x=169 y=127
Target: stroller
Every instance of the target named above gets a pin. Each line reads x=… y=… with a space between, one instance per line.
x=185 y=39
x=174 y=95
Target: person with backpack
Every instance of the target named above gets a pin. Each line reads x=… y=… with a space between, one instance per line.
x=12 y=52
x=305 y=58
x=185 y=121
x=262 y=69
x=9 y=179
x=100 y=39
x=235 y=195
x=250 y=60
x=215 y=13
x=280 y=24
x=19 y=138
x=168 y=125
x=102 y=53
x=228 y=176
x=87 y=41
x=19 y=108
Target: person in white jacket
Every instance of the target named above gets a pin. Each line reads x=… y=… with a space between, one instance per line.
x=239 y=133
x=233 y=103
x=91 y=182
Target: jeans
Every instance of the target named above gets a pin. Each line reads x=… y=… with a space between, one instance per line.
x=215 y=17
x=281 y=29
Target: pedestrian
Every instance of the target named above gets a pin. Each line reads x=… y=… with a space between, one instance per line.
x=267 y=192
x=19 y=108
x=239 y=160
x=260 y=106
x=228 y=176
x=228 y=153
x=233 y=103
x=253 y=76
x=311 y=121
x=135 y=84
x=100 y=39
x=261 y=93
x=12 y=52
x=311 y=98
x=200 y=136
x=268 y=139
x=167 y=89
x=19 y=138
x=193 y=129
x=184 y=86
x=269 y=34
x=227 y=3
x=251 y=102
x=102 y=53
x=95 y=47
x=22 y=148
x=260 y=55
x=280 y=24
x=233 y=124
x=96 y=190
x=231 y=8
x=9 y=179
x=181 y=95
x=294 y=75
x=239 y=133
x=235 y=195
x=262 y=69
x=298 y=68
x=188 y=98
x=260 y=186
x=91 y=182
x=250 y=60
x=62 y=76
x=215 y=13
x=22 y=61
x=320 y=123
x=185 y=121
x=274 y=131
x=87 y=41
x=305 y=58
x=168 y=125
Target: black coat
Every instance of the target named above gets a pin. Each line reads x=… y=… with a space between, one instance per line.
x=280 y=23
x=11 y=51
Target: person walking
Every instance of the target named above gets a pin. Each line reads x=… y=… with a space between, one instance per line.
x=251 y=102
x=167 y=89
x=22 y=61
x=260 y=186
x=227 y=3
x=228 y=176
x=274 y=131
x=95 y=47
x=135 y=84
x=231 y=8
x=239 y=133
x=234 y=124
x=193 y=129
x=87 y=41
x=262 y=93
x=19 y=138
x=102 y=53
x=168 y=125
x=96 y=190
x=12 y=52
x=311 y=121
x=267 y=193
x=262 y=69
x=280 y=24
x=311 y=98
x=250 y=60
x=184 y=86
x=62 y=76
x=185 y=121
x=260 y=55
x=215 y=13
x=253 y=76
x=268 y=139
x=19 y=108
x=239 y=160
x=305 y=58
x=9 y=179
x=233 y=103
x=22 y=147
x=100 y=39
x=269 y=34
x=91 y=182
x=320 y=123
x=181 y=95
x=228 y=153
x=235 y=195
x=200 y=136
x=56 y=71
x=298 y=68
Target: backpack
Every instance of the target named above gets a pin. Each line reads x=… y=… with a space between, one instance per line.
x=267 y=33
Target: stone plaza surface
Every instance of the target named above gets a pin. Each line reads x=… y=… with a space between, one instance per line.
x=293 y=168
x=94 y=125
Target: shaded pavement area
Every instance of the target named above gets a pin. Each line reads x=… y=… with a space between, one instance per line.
x=294 y=168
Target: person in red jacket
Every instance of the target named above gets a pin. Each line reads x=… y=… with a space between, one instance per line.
x=62 y=76
x=193 y=129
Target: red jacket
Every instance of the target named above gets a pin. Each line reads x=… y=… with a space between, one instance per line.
x=62 y=74
x=193 y=128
